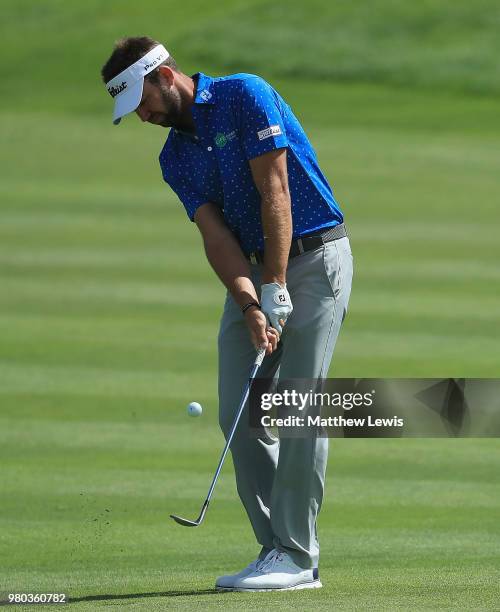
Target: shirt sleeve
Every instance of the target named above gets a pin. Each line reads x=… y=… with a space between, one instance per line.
x=262 y=127
x=190 y=199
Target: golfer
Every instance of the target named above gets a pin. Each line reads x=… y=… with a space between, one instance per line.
x=245 y=171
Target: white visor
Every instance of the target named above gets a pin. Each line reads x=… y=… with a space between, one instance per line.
x=126 y=87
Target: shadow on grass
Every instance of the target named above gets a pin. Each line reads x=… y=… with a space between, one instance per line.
x=144 y=595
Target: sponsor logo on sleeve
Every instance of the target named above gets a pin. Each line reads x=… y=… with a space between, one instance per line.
x=273 y=130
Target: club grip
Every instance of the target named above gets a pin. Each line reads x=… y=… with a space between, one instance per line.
x=260 y=356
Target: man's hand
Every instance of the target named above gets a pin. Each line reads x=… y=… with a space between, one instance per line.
x=261 y=335
x=276 y=304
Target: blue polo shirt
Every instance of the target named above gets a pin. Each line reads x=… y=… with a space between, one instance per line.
x=238 y=118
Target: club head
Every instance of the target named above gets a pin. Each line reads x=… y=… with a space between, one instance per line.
x=185 y=522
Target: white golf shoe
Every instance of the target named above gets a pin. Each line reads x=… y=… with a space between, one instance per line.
x=278 y=572
x=227 y=582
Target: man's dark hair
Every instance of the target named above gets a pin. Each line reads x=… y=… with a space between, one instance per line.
x=127 y=51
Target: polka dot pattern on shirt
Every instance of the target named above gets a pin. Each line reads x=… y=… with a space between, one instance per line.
x=237 y=118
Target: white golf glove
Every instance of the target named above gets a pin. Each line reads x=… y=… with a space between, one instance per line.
x=276 y=304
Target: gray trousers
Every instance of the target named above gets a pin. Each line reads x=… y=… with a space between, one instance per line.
x=281 y=482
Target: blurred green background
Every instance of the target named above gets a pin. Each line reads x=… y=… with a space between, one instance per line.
x=109 y=312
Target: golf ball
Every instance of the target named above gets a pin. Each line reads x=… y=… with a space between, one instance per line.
x=194 y=409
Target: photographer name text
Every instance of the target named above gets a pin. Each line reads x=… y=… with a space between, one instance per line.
x=331 y=421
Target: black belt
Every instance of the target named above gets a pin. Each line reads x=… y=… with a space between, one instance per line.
x=305 y=243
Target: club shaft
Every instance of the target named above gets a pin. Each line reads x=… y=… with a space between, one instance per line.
x=233 y=429
x=257 y=363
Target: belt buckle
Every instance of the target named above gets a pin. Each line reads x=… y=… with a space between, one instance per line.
x=253 y=259
x=300 y=245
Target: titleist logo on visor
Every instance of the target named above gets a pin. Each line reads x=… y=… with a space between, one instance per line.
x=114 y=91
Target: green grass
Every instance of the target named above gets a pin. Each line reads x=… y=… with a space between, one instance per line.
x=85 y=237
x=104 y=342
x=108 y=310
x=52 y=51
x=406 y=525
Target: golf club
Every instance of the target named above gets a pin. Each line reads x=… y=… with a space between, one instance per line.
x=186 y=522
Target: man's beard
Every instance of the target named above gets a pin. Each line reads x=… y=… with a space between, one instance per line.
x=172 y=102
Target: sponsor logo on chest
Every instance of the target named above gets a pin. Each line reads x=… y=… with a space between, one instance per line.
x=221 y=139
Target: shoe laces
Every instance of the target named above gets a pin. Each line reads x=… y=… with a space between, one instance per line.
x=275 y=556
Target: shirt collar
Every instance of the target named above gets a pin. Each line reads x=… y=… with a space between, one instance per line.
x=205 y=90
